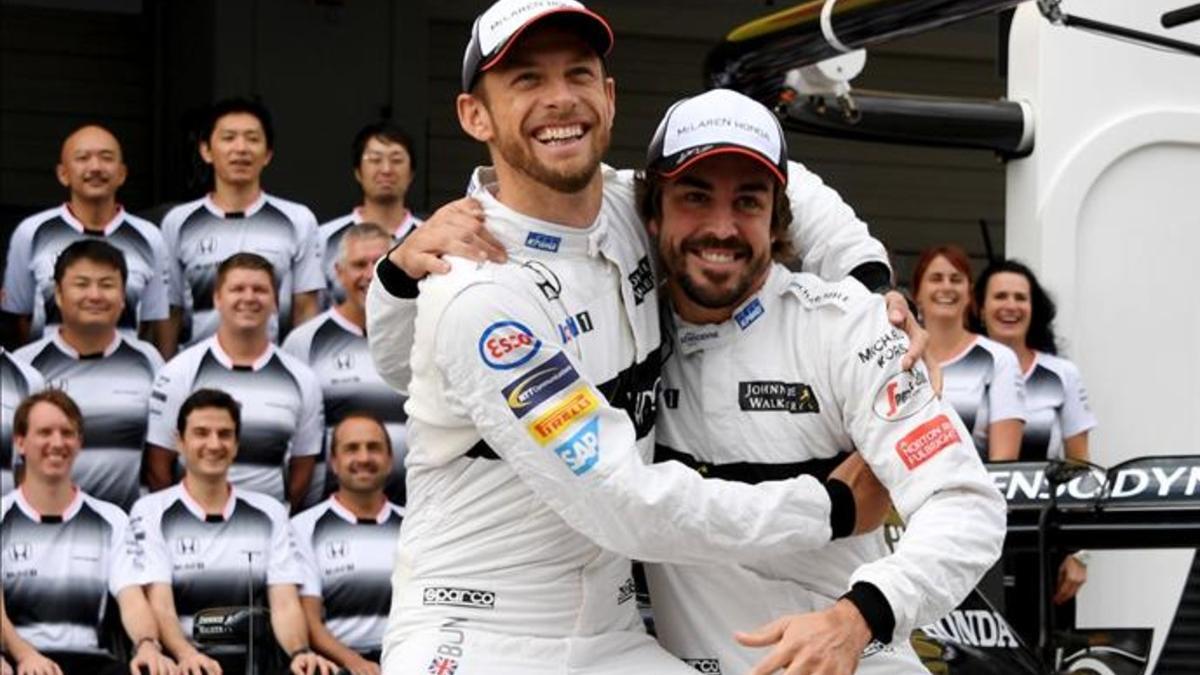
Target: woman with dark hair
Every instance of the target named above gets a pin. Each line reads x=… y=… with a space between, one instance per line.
x=1015 y=310
x=981 y=377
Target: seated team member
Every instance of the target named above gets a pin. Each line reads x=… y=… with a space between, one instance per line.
x=17 y=380
x=348 y=542
x=110 y=373
x=335 y=345
x=383 y=161
x=238 y=216
x=203 y=537
x=1017 y=312
x=766 y=381
x=283 y=417
x=980 y=377
x=65 y=552
x=92 y=170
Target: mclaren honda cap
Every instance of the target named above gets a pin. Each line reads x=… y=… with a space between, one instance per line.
x=715 y=122
x=502 y=24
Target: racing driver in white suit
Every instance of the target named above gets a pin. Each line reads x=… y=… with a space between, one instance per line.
x=773 y=374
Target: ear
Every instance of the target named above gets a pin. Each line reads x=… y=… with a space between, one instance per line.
x=358 y=175
x=60 y=171
x=474 y=118
x=267 y=159
x=652 y=227
x=206 y=152
x=58 y=299
x=610 y=93
x=122 y=174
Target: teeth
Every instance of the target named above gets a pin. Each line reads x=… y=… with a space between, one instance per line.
x=717 y=256
x=547 y=134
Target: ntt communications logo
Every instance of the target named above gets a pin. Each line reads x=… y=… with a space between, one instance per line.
x=459 y=597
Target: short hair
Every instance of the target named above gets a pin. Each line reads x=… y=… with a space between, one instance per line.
x=959 y=259
x=386 y=131
x=360 y=232
x=96 y=250
x=648 y=194
x=230 y=106
x=55 y=397
x=359 y=415
x=209 y=398
x=1041 y=318
x=245 y=261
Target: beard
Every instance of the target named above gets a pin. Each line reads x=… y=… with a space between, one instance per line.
x=714 y=290
x=520 y=157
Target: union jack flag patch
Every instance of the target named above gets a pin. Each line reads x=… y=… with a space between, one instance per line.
x=442 y=666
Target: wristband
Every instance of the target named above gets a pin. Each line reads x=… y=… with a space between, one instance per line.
x=147 y=640
x=875 y=609
x=842 y=509
x=300 y=652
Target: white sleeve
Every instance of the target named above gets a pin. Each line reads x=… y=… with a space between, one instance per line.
x=174 y=262
x=391 y=322
x=154 y=304
x=307 y=274
x=19 y=285
x=153 y=565
x=310 y=584
x=578 y=454
x=925 y=457
x=1077 y=416
x=828 y=236
x=307 y=440
x=171 y=388
x=123 y=566
x=1006 y=394
x=284 y=565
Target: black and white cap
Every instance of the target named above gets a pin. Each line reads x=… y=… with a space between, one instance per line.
x=716 y=122
x=502 y=24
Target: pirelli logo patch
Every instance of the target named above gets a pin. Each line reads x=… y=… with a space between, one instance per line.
x=577 y=404
x=926 y=441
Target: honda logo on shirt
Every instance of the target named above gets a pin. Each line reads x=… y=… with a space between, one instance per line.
x=208 y=245
x=344 y=361
x=20 y=551
x=337 y=549
x=186 y=546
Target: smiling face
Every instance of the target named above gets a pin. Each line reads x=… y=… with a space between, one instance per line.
x=546 y=111
x=356 y=267
x=1007 y=307
x=90 y=165
x=245 y=299
x=714 y=236
x=384 y=171
x=91 y=296
x=944 y=292
x=237 y=149
x=50 y=444
x=209 y=442
x=362 y=456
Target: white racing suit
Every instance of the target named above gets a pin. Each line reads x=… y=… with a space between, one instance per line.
x=532 y=408
x=804 y=372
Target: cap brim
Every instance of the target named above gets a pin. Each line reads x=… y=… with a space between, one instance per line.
x=670 y=168
x=595 y=30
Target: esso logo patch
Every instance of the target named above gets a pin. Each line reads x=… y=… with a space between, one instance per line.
x=507 y=344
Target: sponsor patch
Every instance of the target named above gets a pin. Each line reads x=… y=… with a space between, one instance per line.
x=458 y=597
x=903 y=395
x=694 y=338
x=926 y=441
x=578 y=403
x=707 y=666
x=442 y=665
x=821 y=296
x=507 y=344
x=526 y=392
x=581 y=451
x=792 y=397
x=671 y=398
x=543 y=242
x=574 y=326
x=749 y=314
x=884 y=349
x=548 y=282
x=627 y=591
x=642 y=280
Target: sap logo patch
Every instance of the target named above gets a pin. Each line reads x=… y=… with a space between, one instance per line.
x=579 y=403
x=543 y=242
x=581 y=451
x=903 y=395
x=791 y=397
x=642 y=280
x=458 y=597
x=552 y=377
x=926 y=441
x=749 y=314
x=507 y=344
x=707 y=666
x=575 y=326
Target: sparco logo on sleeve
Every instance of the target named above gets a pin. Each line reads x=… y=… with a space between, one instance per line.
x=792 y=397
x=459 y=597
x=903 y=395
x=709 y=666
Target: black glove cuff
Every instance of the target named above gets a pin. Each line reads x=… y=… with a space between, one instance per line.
x=875 y=610
x=842 y=510
x=874 y=275
x=394 y=280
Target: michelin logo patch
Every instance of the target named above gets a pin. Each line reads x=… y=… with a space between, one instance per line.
x=581 y=451
x=507 y=344
x=543 y=242
x=748 y=314
x=528 y=391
